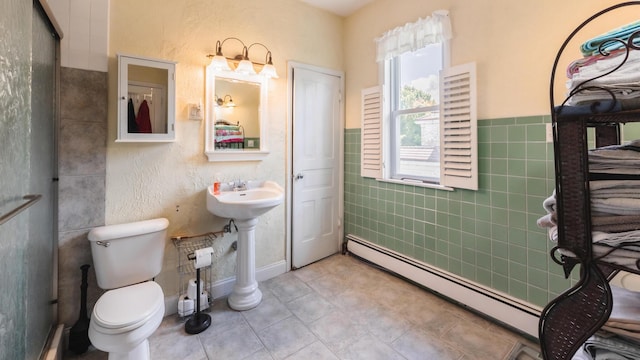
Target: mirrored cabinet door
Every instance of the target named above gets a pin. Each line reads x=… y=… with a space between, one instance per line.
x=146 y=99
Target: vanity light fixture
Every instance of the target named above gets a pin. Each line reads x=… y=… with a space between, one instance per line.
x=268 y=70
x=245 y=66
x=224 y=102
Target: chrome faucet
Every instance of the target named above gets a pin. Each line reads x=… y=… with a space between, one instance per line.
x=239 y=185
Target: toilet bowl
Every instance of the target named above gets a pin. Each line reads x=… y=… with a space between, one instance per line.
x=123 y=319
x=126 y=257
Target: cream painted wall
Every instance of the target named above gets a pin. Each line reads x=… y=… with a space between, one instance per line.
x=513 y=43
x=169 y=179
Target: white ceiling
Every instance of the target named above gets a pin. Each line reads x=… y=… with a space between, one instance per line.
x=340 y=7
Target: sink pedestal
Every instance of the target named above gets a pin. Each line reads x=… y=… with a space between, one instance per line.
x=245 y=294
x=245 y=207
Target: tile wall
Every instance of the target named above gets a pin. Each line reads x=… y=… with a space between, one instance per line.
x=82 y=170
x=489 y=236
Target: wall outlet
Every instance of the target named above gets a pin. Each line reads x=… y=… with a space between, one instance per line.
x=250 y=143
x=549 y=132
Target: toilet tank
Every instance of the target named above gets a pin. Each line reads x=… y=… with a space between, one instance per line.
x=130 y=253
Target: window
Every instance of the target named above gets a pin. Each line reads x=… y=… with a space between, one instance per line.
x=414 y=140
x=421 y=129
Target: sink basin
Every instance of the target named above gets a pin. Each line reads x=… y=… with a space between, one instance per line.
x=245 y=204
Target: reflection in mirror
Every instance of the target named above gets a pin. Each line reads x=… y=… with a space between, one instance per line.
x=236 y=121
x=147 y=103
x=146 y=93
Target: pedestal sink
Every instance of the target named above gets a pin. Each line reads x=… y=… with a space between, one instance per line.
x=245 y=206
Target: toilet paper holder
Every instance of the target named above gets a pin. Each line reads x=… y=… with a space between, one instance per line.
x=186 y=249
x=202 y=257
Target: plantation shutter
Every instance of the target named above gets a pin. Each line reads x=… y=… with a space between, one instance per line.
x=371 y=133
x=458 y=127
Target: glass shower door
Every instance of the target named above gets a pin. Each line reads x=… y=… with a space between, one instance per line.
x=27 y=167
x=39 y=254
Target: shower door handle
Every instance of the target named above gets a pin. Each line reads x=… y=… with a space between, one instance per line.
x=31 y=199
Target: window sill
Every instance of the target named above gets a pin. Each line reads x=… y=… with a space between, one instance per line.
x=417 y=183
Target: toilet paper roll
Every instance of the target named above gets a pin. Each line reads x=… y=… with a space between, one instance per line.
x=191 y=289
x=185 y=306
x=203 y=257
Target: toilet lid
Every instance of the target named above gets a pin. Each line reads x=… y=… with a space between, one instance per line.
x=128 y=306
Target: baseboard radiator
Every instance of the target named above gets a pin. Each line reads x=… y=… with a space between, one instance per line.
x=503 y=308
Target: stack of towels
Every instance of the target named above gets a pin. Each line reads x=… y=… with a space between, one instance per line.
x=615 y=205
x=619 y=338
x=623 y=83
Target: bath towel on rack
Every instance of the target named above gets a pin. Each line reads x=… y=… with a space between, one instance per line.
x=591 y=46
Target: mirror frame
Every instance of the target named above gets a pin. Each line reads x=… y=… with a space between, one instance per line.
x=234 y=155
x=123 y=87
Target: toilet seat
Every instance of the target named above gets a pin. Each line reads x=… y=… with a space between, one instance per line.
x=127 y=308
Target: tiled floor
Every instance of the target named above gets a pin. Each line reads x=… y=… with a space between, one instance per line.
x=337 y=308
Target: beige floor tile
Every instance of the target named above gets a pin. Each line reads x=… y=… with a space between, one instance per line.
x=262 y=354
x=329 y=286
x=286 y=337
x=353 y=300
x=236 y=342
x=478 y=342
x=369 y=348
x=337 y=330
x=418 y=345
x=310 y=307
x=222 y=316
x=315 y=351
x=434 y=321
x=384 y=324
x=287 y=287
x=171 y=341
x=311 y=272
x=269 y=312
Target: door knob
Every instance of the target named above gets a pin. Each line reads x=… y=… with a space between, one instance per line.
x=299 y=176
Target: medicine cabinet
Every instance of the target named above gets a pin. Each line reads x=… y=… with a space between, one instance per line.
x=236 y=116
x=146 y=99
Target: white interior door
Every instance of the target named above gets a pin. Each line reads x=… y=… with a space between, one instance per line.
x=316 y=165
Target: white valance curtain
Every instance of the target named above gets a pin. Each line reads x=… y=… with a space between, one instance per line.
x=413 y=36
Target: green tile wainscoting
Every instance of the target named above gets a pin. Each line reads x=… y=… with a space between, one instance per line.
x=488 y=236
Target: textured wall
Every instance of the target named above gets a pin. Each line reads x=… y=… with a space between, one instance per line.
x=513 y=44
x=169 y=179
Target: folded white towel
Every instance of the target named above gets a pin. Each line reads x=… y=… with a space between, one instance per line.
x=616 y=206
x=613 y=348
x=549 y=204
x=614 y=184
x=546 y=221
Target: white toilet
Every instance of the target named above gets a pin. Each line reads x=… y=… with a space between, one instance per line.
x=126 y=257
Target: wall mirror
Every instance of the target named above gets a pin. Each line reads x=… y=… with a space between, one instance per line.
x=146 y=99
x=236 y=123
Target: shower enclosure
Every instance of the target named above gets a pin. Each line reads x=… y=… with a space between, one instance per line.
x=28 y=174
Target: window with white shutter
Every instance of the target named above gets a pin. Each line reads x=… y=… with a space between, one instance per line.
x=371 y=133
x=429 y=133
x=458 y=127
